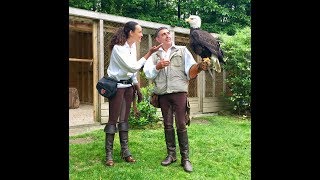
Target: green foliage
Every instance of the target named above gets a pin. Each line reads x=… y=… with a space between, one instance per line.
x=218 y=16
x=83 y=4
x=148 y=114
x=237 y=50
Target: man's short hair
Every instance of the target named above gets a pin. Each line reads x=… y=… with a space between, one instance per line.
x=159 y=29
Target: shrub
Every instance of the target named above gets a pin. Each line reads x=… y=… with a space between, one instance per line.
x=148 y=114
x=237 y=50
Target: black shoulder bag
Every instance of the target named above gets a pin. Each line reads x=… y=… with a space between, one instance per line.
x=107 y=87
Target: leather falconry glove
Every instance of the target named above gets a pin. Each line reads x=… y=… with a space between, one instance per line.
x=138 y=92
x=197 y=68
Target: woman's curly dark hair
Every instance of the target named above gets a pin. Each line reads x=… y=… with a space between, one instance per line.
x=122 y=34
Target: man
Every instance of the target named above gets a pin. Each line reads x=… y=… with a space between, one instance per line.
x=171 y=68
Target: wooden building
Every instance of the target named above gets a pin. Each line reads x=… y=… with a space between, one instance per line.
x=89 y=37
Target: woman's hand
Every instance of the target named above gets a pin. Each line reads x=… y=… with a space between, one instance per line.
x=155 y=48
x=152 y=50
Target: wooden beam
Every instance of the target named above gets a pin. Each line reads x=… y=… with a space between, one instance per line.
x=88 y=81
x=182 y=39
x=173 y=34
x=100 y=69
x=148 y=31
x=82 y=88
x=95 y=70
x=80 y=26
x=80 y=60
x=101 y=50
x=123 y=20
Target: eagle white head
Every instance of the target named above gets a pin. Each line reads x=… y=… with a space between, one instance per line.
x=194 y=21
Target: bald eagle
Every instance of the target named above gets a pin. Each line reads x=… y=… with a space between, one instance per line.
x=204 y=44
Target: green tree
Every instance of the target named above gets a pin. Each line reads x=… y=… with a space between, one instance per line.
x=237 y=50
x=218 y=16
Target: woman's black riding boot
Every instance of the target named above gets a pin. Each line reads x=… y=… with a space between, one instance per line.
x=123 y=128
x=110 y=130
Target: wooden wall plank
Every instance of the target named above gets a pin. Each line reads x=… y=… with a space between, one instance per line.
x=78 y=25
x=82 y=89
x=94 y=77
x=99 y=68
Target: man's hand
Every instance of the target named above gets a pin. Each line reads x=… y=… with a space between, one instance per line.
x=162 y=64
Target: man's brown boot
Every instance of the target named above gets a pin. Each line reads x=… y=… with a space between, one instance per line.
x=184 y=150
x=171 y=147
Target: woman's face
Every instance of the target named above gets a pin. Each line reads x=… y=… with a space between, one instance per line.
x=137 y=34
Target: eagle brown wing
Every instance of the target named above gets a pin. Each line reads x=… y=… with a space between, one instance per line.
x=204 y=44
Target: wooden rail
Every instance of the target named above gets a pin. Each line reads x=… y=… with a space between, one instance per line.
x=80 y=60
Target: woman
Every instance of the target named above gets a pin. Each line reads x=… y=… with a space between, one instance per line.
x=123 y=67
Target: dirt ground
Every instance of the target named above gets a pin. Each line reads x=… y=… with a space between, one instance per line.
x=81 y=116
x=81 y=120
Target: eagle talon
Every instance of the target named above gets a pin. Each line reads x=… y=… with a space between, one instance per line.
x=206 y=60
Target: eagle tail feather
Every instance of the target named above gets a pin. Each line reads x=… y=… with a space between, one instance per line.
x=216 y=63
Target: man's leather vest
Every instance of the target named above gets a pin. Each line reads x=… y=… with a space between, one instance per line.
x=173 y=78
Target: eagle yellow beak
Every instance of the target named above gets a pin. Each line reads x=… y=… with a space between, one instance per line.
x=187 y=20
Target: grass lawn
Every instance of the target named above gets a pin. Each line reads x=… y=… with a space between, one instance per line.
x=219 y=148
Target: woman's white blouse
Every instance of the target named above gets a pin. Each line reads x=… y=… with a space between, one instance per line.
x=123 y=63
